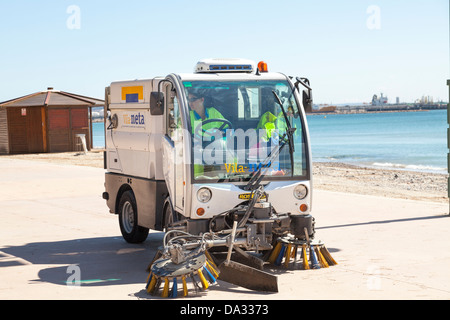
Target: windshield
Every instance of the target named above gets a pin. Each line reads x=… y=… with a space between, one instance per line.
x=236 y=125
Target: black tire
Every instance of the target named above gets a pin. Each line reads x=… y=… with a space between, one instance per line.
x=128 y=219
x=169 y=216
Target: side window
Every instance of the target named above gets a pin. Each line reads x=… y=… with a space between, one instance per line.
x=173 y=114
x=241 y=105
x=248 y=103
x=253 y=94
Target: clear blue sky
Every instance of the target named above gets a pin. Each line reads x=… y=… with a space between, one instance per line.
x=347 y=49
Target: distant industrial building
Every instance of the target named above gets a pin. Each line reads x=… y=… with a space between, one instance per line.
x=379 y=101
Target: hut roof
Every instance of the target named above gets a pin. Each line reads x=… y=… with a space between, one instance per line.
x=52 y=98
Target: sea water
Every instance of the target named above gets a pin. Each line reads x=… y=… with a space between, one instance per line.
x=403 y=140
x=98 y=135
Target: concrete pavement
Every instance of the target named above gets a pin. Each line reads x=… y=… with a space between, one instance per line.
x=56 y=228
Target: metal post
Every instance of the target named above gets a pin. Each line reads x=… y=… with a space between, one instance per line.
x=448 y=142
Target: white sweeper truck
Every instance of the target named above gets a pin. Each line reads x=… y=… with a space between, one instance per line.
x=220 y=160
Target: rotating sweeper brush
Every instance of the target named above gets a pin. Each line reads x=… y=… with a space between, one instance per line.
x=197 y=272
x=184 y=264
x=295 y=253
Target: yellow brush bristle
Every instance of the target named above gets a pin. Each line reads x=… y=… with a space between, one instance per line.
x=275 y=252
x=305 y=259
x=212 y=269
x=320 y=257
x=151 y=286
x=185 y=289
x=202 y=279
x=165 y=292
x=287 y=256
x=326 y=254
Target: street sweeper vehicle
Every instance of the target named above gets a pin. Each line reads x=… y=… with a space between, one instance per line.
x=220 y=160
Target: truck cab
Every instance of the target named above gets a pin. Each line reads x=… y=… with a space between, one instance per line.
x=185 y=150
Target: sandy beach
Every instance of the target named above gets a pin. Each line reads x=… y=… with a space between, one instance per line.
x=331 y=176
x=402 y=184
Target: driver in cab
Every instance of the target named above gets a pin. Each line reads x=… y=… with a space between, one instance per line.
x=205 y=121
x=201 y=117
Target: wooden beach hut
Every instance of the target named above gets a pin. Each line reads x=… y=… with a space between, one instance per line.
x=47 y=121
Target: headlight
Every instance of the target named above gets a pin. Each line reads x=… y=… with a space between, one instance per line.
x=204 y=195
x=300 y=191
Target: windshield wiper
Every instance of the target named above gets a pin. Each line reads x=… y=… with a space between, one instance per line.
x=258 y=175
x=290 y=131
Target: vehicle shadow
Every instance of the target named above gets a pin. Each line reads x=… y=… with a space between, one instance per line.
x=88 y=262
x=100 y=262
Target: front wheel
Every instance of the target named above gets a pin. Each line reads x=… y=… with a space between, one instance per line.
x=169 y=215
x=128 y=219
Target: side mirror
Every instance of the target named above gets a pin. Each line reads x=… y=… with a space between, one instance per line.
x=307 y=101
x=306 y=95
x=156 y=103
x=113 y=121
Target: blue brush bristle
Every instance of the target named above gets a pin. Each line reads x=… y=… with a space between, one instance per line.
x=211 y=277
x=280 y=256
x=312 y=256
x=148 y=282
x=174 y=292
